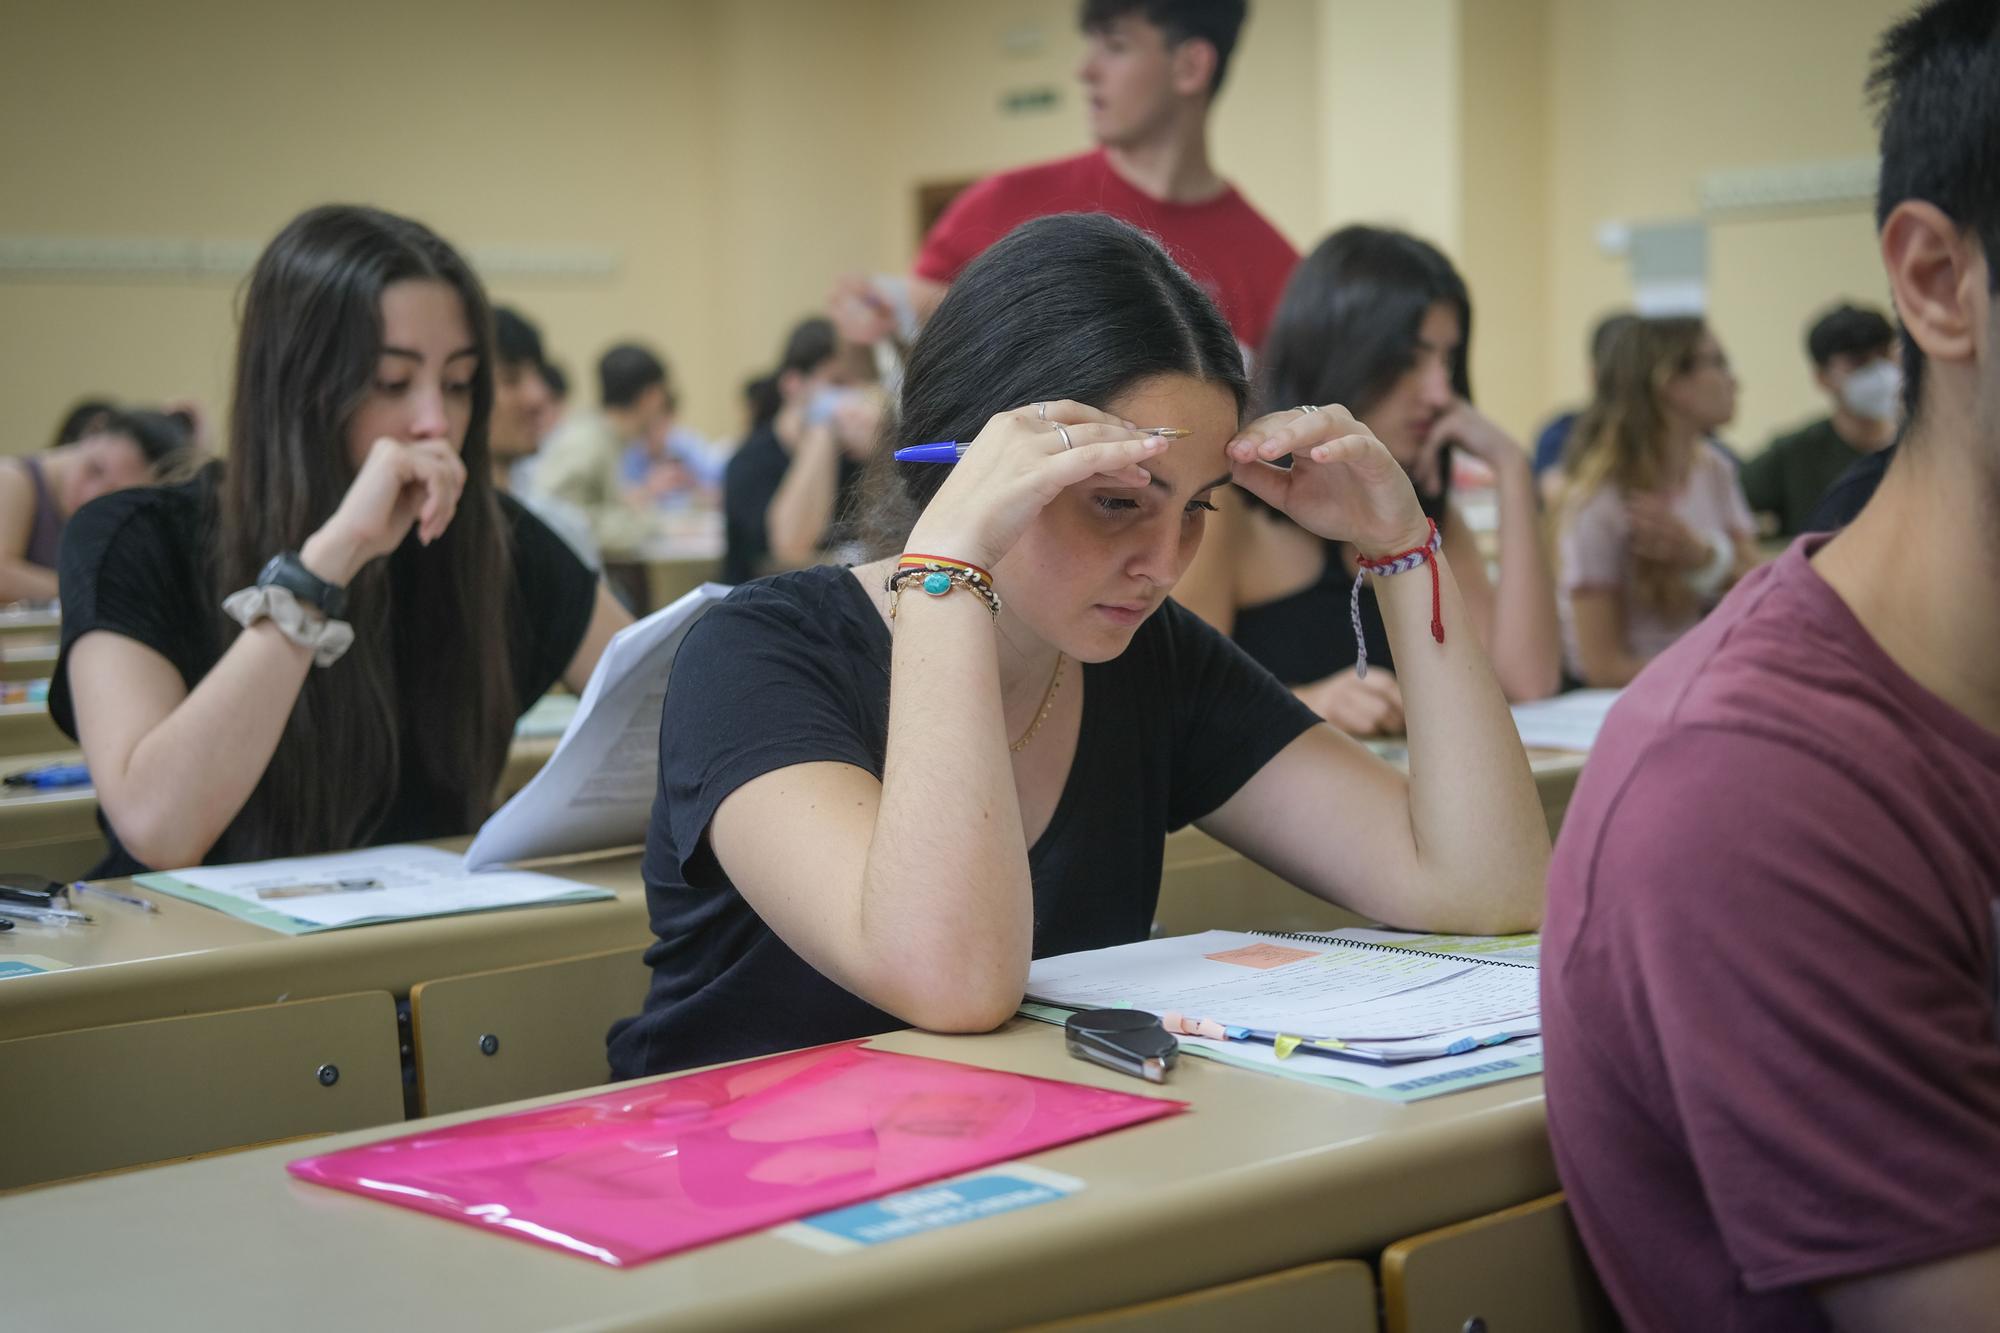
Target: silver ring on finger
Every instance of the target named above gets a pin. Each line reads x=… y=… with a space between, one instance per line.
x=1063 y=431
x=1306 y=408
x=1042 y=411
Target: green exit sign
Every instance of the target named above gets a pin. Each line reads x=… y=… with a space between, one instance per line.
x=1029 y=101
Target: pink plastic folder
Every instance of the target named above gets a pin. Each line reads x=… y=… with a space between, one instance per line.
x=640 y=1172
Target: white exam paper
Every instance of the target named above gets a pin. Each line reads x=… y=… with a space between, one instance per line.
x=1339 y=991
x=1357 y=1071
x=416 y=881
x=1567 y=722
x=596 y=790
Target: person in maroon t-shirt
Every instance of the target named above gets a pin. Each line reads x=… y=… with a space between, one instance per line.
x=1770 y=973
x=1150 y=73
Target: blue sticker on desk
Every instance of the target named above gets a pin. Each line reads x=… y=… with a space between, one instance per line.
x=27 y=965
x=945 y=1203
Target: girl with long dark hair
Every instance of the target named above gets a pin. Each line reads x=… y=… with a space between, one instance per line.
x=1379 y=321
x=879 y=805
x=325 y=641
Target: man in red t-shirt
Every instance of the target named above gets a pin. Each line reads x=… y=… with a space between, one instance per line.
x=1150 y=73
x=1770 y=973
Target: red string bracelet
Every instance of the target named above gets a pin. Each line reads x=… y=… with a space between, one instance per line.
x=918 y=560
x=1396 y=564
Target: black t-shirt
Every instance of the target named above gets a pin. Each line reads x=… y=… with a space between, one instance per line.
x=755 y=472
x=794 y=669
x=136 y=563
x=1310 y=635
x=1851 y=493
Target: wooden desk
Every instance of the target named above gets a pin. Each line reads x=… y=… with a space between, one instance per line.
x=525 y=758
x=133 y=965
x=1206 y=885
x=30 y=624
x=187 y=974
x=54 y=832
x=684 y=553
x=28 y=729
x=1555 y=774
x=22 y=659
x=1263 y=1175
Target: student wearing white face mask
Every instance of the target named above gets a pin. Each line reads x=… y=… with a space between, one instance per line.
x=1854 y=363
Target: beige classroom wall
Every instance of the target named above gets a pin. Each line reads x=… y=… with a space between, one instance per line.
x=1503 y=247
x=733 y=158
x=1389 y=98
x=1644 y=99
x=220 y=119
x=719 y=154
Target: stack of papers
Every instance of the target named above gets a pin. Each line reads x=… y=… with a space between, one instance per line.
x=1378 y=1009
x=1567 y=722
x=303 y=894
x=596 y=790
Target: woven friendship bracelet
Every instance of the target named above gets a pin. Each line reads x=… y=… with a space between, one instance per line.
x=1396 y=564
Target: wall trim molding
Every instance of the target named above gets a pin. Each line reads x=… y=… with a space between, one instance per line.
x=193 y=259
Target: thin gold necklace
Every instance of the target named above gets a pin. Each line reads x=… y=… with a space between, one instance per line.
x=1048 y=699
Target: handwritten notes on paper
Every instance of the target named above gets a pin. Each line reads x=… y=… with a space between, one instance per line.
x=1345 y=991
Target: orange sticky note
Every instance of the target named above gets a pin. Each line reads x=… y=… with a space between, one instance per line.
x=1261 y=955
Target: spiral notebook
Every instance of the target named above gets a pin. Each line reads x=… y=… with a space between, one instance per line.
x=1373 y=995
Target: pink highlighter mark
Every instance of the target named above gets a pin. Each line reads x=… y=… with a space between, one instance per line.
x=1261 y=955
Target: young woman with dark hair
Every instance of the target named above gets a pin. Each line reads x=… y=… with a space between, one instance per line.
x=877 y=806
x=325 y=642
x=1653 y=526
x=1381 y=322
x=39 y=494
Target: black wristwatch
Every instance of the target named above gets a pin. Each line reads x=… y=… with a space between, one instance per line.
x=289 y=572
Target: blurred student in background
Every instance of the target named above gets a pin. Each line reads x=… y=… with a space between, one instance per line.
x=1380 y=322
x=520 y=396
x=40 y=493
x=82 y=418
x=324 y=641
x=673 y=464
x=1151 y=72
x=581 y=464
x=1653 y=527
x=1854 y=363
x=1554 y=437
x=520 y=404
x=791 y=484
x=556 y=380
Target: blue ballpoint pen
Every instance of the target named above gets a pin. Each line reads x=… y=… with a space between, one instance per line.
x=51 y=775
x=950 y=451
x=100 y=891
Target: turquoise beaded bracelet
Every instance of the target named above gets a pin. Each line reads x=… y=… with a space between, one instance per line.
x=937 y=580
